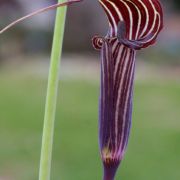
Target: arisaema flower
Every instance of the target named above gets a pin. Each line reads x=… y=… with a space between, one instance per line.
x=133 y=25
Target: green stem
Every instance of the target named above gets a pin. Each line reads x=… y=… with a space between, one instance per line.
x=50 y=109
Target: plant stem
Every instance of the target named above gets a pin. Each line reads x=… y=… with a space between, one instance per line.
x=50 y=108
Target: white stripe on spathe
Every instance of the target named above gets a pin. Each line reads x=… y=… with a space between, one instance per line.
x=139 y=18
x=119 y=93
x=130 y=20
x=111 y=16
x=147 y=18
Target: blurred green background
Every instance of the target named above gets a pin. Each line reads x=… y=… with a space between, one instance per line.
x=154 y=147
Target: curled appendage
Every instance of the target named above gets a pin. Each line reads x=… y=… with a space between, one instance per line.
x=97 y=42
x=137 y=44
x=38 y=12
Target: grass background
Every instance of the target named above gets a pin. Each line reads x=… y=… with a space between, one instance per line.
x=154 y=147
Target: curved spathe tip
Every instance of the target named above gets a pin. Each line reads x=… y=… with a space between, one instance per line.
x=143 y=19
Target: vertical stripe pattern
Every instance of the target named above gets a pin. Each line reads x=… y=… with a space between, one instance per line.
x=117 y=75
x=134 y=24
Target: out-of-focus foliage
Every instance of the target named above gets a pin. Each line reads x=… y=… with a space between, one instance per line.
x=13 y=3
x=154 y=144
x=177 y=4
x=9 y=7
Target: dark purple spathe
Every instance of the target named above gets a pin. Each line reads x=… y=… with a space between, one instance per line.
x=133 y=25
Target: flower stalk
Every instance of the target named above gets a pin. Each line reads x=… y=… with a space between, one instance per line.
x=52 y=89
x=50 y=108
